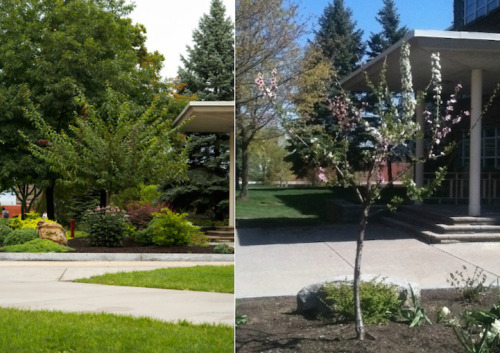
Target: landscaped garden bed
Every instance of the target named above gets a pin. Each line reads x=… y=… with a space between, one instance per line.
x=272 y=325
x=130 y=246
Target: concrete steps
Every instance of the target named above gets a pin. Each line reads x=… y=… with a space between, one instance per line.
x=220 y=233
x=442 y=225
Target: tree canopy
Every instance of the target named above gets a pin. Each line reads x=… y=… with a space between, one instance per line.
x=388 y=18
x=48 y=47
x=121 y=152
x=209 y=68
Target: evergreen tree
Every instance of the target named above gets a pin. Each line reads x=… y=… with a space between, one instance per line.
x=339 y=39
x=209 y=69
x=388 y=18
x=209 y=74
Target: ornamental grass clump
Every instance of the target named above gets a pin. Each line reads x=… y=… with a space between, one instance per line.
x=106 y=226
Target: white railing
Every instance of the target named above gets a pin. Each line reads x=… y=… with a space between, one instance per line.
x=455 y=187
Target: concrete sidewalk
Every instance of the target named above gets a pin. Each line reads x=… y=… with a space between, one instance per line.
x=281 y=261
x=47 y=285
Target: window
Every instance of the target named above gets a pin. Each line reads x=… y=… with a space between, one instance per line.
x=477 y=8
x=490 y=149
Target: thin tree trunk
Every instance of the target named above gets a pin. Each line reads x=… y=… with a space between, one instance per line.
x=360 y=329
x=102 y=198
x=244 y=171
x=49 y=199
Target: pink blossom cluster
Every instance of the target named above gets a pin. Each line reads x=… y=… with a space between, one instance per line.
x=270 y=90
x=108 y=209
x=440 y=124
x=342 y=111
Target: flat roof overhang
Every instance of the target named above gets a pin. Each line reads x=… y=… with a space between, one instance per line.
x=214 y=117
x=460 y=53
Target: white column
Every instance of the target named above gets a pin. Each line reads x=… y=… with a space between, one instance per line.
x=475 y=143
x=232 y=179
x=419 y=149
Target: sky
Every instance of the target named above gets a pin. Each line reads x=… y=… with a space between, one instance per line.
x=415 y=14
x=170 y=26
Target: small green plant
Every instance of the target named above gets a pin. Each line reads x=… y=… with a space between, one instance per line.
x=105 y=226
x=240 y=320
x=481 y=332
x=224 y=249
x=20 y=236
x=471 y=287
x=172 y=229
x=36 y=246
x=379 y=301
x=415 y=314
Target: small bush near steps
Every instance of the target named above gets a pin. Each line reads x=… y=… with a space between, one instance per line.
x=168 y=228
x=224 y=249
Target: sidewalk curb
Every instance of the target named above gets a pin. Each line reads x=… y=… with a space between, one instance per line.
x=115 y=257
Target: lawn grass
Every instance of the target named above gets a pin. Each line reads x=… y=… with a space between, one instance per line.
x=218 y=279
x=56 y=332
x=284 y=206
x=78 y=234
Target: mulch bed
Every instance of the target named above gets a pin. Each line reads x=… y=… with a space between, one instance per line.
x=274 y=326
x=129 y=246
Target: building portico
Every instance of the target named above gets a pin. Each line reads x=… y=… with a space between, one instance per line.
x=469 y=59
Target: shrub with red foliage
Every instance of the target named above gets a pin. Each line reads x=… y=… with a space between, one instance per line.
x=140 y=213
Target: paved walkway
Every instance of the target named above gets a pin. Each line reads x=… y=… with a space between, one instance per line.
x=281 y=261
x=47 y=285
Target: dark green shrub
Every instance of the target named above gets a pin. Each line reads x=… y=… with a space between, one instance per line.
x=144 y=236
x=171 y=229
x=20 y=236
x=106 y=226
x=224 y=249
x=4 y=231
x=379 y=301
x=36 y=246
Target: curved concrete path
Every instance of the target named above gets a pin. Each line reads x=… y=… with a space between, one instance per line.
x=47 y=285
x=281 y=261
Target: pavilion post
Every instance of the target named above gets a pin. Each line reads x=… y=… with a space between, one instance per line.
x=475 y=143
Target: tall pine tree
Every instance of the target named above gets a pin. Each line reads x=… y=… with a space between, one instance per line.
x=208 y=73
x=339 y=39
x=388 y=18
x=209 y=69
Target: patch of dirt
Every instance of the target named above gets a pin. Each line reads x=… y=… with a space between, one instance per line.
x=274 y=326
x=129 y=246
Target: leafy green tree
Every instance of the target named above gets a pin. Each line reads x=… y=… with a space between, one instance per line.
x=48 y=47
x=267 y=159
x=209 y=68
x=120 y=152
x=388 y=18
x=267 y=35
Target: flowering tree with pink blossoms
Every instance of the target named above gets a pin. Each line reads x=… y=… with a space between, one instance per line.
x=392 y=135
